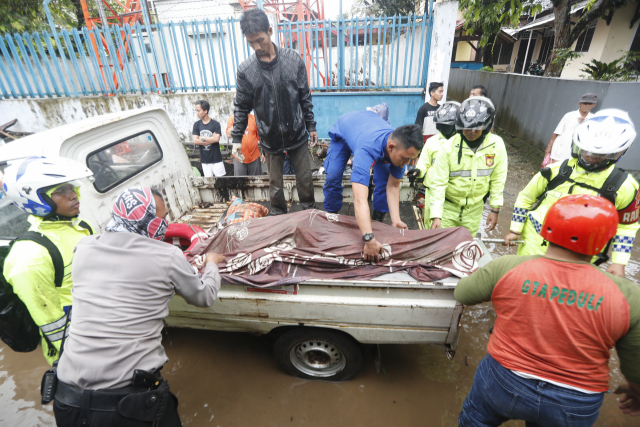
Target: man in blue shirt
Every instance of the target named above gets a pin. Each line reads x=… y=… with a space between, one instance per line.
x=372 y=141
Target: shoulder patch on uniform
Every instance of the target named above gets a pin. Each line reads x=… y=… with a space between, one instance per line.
x=631 y=213
x=490 y=159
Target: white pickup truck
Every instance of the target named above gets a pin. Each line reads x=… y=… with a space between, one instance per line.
x=319 y=325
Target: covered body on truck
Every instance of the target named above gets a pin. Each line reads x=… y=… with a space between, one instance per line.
x=319 y=323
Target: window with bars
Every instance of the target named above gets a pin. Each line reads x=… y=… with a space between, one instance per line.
x=584 y=40
x=545 y=49
x=502 y=53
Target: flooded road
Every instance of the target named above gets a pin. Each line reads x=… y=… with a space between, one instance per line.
x=231 y=379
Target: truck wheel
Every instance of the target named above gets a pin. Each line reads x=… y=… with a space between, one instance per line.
x=319 y=354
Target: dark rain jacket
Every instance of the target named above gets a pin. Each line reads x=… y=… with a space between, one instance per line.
x=278 y=92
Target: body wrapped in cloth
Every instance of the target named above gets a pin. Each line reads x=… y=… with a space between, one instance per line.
x=313 y=244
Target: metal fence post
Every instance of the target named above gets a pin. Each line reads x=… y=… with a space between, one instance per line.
x=154 y=53
x=427 y=47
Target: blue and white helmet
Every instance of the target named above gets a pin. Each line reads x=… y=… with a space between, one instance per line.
x=602 y=138
x=26 y=181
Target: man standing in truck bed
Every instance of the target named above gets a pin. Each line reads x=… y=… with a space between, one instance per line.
x=273 y=83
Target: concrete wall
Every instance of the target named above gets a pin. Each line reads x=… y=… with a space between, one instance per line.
x=463 y=52
x=444 y=28
x=608 y=41
x=36 y=115
x=530 y=107
x=327 y=107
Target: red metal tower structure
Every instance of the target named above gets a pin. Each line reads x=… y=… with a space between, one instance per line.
x=131 y=12
x=298 y=11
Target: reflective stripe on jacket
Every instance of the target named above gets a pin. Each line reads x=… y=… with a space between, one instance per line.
x=625 y=236
x=428 y=156
x=29 y=269
x=468 y=182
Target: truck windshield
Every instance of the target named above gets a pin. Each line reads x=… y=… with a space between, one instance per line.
x=119 y=161
x=13 y=221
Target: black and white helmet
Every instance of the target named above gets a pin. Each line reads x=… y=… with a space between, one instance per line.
x=445 y=118
x=476 y=113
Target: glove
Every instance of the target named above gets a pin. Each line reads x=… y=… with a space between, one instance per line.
x=413 y=173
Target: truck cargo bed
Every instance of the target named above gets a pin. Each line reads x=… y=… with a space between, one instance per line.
x=210 y=213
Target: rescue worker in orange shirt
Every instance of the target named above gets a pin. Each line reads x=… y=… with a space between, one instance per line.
x=557 y=318
x=246 y=159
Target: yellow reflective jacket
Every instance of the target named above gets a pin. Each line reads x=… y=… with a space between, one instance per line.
x=29 y=269
x=627 y=194
x=428 y=156
x=468 y=182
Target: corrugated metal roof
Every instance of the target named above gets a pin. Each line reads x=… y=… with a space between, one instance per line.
x=547 y=18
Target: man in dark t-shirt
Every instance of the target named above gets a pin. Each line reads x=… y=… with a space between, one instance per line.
x=206 y=135
x=428 y=109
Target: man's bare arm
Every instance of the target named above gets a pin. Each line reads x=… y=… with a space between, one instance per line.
x=363 y=215
x=372 y=248
x=550 y=145
x=393 y=200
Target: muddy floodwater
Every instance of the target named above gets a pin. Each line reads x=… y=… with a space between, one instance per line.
x=231 y=379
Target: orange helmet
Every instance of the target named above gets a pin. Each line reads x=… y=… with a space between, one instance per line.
x=581 y=223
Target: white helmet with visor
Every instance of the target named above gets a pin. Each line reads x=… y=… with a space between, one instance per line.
x=27 y=182
x=602 y=139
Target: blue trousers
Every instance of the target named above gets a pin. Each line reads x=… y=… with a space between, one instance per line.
x=335 y=164
x=499 y=395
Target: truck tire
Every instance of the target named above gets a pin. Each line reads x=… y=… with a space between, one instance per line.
x=319 y=354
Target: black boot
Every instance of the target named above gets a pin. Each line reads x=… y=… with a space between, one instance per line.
x=378 y=216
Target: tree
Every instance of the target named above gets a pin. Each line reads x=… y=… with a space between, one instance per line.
x=486 y=17
x=28 y=15
x=386 y=7
x=567 y=35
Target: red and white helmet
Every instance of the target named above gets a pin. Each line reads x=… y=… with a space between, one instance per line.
x=599 y=141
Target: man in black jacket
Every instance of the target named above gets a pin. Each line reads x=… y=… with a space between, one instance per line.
x=273 y=82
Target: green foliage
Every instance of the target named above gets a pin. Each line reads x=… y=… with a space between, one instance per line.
x=489 y=69
x=624 y=69
x=17 y=16
x=385 y=7
x=488 y=16
x=565 y=56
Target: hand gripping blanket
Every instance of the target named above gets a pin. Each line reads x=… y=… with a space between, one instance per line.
x=312 y=244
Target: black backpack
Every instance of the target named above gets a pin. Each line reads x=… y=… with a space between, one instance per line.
x=608 y=190
x=17 y=328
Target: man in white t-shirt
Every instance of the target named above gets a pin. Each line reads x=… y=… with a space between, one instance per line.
x=560 y=143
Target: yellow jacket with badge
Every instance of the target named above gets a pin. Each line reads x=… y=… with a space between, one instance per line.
x=466 y=183
x=29 y=269
x=529 y=222
x=428 y=156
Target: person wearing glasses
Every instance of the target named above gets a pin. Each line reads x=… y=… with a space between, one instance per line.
x=48 y=189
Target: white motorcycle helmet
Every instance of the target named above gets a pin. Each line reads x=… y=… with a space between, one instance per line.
x=603 y=139
x=27 y=181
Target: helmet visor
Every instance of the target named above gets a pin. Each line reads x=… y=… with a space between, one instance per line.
x=592 y=158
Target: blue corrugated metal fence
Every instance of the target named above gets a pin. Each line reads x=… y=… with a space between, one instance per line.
x=193 y=56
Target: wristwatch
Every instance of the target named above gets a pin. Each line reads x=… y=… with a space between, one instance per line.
x=367 y=237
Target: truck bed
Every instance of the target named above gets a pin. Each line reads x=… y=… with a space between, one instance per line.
x=210 y=213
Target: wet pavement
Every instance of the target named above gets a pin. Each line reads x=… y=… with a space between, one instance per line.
x=231 y=379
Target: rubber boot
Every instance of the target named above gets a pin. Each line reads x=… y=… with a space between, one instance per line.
x=378 y=216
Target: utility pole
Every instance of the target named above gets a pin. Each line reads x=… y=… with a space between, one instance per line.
x=103 y=17
x=528 y=44
x=341 y=44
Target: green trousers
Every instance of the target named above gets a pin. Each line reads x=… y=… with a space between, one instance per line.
x=467 y=216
